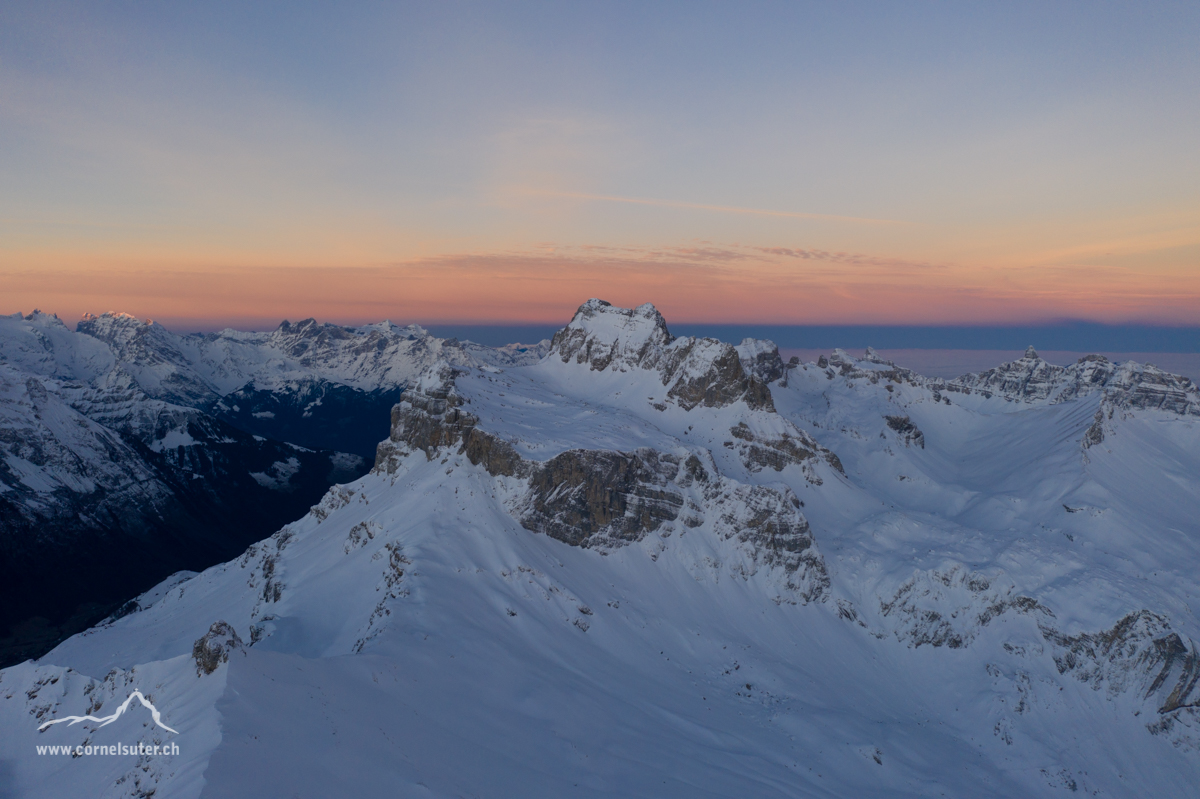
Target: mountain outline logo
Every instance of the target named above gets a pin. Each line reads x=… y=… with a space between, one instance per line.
x=106 y=720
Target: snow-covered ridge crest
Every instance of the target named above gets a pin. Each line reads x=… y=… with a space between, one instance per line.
x=200 y=367
x=1127 y=386
x=699 y=371
x=118 y=328
x=1033 y=380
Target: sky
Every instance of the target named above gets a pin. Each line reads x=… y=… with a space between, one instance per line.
x=794 y=163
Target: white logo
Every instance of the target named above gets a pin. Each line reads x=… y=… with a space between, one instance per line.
x=106 y=720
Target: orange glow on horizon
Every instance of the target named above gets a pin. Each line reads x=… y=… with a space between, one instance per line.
x=700 y=283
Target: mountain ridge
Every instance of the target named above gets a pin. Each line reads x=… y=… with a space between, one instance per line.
x=623 y=572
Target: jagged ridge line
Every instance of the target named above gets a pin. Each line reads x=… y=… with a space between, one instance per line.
x=106 y=720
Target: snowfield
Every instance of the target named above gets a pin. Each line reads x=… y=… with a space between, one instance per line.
x=646 y=566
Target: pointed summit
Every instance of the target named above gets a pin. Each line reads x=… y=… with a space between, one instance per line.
x=699 y=371
x=600 y=333
x=1031 y=353
x=874 y=357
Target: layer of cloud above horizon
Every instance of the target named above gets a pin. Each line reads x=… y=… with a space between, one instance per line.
x=785 y=163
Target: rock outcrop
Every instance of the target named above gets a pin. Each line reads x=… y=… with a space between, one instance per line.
x=777 y=451
x=214 y=647
x=1140 y=652
x=908 y=432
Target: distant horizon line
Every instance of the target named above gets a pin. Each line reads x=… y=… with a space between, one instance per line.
x=1068 y=335
x=1074 y=336
x=265 y=324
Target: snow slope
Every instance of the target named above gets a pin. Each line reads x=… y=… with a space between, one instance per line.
x=650 y=566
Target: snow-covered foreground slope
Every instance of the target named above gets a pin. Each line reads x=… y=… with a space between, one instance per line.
x=648 y=566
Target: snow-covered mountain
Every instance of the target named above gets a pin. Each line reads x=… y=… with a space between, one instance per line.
x=131 y=451
x=655 y=566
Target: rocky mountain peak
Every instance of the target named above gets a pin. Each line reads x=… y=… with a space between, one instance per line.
x=602 y=334
x=700 y=371
x=118 y=329
x=41 y=316
x=1031 y=353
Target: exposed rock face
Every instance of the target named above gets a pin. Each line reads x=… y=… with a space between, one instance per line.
x=604 y=498
x=908 y=432
x=147 y=350
x=578 y=496
x=769 y=523
x=761 y=359
x=196 y=370
x=793 y=446
x=430 y=417
x=1140 y=651
x=1095 y=433
x=1029 y=379
x=1125 y=386
x=213 y=648
x=1138 y=386
x=601 y=336
x=699 y=371
x=616 y=496
x=773 y=453
x=1141 y=654
x=713 y=378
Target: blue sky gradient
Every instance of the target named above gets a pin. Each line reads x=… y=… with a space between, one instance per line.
x=1010 y=163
